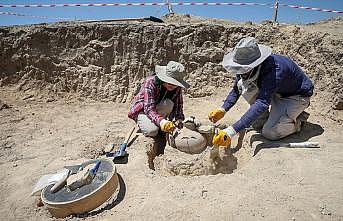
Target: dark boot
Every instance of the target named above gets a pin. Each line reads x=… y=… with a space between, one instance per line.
x=150 y=153
x=160 y=142
x=303 y=116
x=301 y=120
x=155 y=148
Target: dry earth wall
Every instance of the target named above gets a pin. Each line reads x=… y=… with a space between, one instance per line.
x=108 y=61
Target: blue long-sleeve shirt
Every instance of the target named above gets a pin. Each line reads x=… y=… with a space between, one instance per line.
x=278 y=74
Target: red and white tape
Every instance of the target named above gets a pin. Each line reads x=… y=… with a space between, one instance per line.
x=172 y=3
x=312 y=9
x=134 y=4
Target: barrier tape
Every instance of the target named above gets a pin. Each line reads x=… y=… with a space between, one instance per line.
x=32 y=16
x=134 y=4
x=172 y=3
x=313 y=9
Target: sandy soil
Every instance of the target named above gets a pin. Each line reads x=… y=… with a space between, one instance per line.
x=268 y=184
x=53 y=77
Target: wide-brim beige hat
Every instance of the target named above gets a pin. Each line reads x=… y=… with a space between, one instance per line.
x=173 y=73
x=246 y=55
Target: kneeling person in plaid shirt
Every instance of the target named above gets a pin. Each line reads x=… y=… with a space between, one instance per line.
x=159 y=102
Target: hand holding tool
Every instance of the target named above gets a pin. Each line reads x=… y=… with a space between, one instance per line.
x=221 y=138
x=167 y=126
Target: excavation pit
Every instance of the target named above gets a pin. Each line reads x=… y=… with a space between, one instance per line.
x=210 y=161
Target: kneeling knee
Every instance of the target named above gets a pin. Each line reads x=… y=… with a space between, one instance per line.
x=271 y=133
x=150 y=133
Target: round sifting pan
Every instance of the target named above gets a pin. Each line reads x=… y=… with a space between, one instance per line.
x=64 y=202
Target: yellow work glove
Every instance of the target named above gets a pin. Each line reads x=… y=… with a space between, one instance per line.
x=167 y=126
x=216 y=115
x=221 y=138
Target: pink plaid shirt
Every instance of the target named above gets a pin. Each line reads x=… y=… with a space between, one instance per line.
x=147 y=98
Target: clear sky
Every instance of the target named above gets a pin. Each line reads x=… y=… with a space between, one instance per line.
x=237 y=13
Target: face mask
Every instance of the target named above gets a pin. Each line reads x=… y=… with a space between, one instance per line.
x=252 y=78
x=248 y=87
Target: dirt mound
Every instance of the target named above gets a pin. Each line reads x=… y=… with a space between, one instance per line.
x=332 y=26
x=210 y=162
x=183 y=19
x=107 y=61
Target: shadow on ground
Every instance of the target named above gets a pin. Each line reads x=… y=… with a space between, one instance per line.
x=308 y=131
x=111 y=203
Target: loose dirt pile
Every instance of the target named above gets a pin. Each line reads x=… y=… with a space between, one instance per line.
x=210 y=162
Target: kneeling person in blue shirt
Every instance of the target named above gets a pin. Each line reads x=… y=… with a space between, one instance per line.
x=264 y=79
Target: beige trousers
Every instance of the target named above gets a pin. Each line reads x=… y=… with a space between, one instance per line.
x=282 y=120
x=147 y=127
